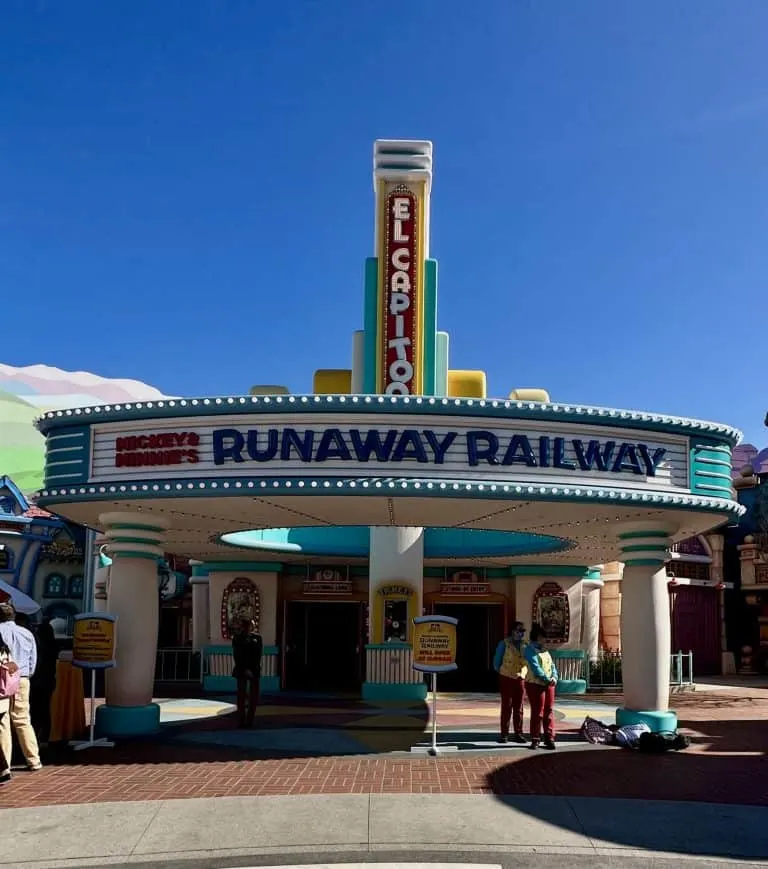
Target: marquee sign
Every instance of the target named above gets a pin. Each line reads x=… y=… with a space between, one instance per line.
x=400 y=268
x=367 y=446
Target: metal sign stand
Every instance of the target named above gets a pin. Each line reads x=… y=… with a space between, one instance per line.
x=433 y=749
x=91 y=742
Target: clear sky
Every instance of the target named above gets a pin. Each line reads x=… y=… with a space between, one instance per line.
x=186 y=196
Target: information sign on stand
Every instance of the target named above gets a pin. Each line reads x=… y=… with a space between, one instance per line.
x=434 y=651
x=93 y=649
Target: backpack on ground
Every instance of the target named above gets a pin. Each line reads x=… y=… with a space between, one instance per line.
x=658 y=743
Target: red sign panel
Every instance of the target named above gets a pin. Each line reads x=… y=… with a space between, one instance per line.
x=400 y=275
x=166 y=448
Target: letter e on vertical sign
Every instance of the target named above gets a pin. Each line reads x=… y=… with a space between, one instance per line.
x=399 y=295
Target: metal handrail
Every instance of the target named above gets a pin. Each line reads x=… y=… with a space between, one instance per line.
x=180 y=664
x=605 y=671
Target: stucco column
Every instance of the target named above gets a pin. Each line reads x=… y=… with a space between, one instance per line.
x=396 y=554
x=645 y=628
x=135 y=543
x=590 y=618
x=396 y=558
x=201 y=617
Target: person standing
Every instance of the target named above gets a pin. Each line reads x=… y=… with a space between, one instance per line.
x=10 y=668
x=509 y=662
x=23 y=650
x=540 y=684
x=247 y=649
x=43 y=682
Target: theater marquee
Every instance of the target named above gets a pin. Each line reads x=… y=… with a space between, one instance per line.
x=368 y=446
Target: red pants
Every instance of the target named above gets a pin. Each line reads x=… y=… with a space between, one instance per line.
x=247 y=699
x=542 y=701
x=511 y=703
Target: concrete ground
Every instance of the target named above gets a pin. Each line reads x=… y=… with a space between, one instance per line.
x=456 y=828
x=206 y=792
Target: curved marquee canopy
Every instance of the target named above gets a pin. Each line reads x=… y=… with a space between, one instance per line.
x=555 y=483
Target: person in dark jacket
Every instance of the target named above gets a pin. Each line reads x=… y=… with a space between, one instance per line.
x=247 y=649
x=43 y=683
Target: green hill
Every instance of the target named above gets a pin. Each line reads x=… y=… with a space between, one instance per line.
x=22 y=448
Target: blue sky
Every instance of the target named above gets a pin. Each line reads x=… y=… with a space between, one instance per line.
x=187 y=200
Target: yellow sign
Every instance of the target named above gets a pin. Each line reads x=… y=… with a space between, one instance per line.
x=94 y=641
x=434 y=644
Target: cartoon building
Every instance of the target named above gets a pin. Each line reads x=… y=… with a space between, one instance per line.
x=397 y=487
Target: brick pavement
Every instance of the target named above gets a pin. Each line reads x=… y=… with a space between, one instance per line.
x=727 y=763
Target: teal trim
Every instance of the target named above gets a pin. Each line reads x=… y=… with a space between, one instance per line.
x=227 y=650
x=558 y=654
x=389 y=646
x=199 y=570
x=115 y=541
x=442 y=348
x=377 y=692
x=632 y=535
x=430 y=326
x=220 y=684
x=384 y=487
x=269 y=685
x=117 y=722
x=716 y=434
x=353 y=541
x=660 y=721
x=131 y=554
x=370 y=323
x=228 y=684
x=704 y=453
x=644 y=562
x=644 y=547
x=571 y=686
x=549 y=570
x=68 y=456
x=236 y=566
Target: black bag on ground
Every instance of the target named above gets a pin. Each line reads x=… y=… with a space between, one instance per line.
x=658 y=743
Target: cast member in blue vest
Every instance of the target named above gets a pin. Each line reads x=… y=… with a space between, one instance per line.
x=540 y=682
x=509 y=663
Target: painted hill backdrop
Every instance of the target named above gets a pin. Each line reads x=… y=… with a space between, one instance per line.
x=27 y=392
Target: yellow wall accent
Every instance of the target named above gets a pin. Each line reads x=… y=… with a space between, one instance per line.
x=332 y=381
x=392 y=590
x=540 y=395
x=467 y=384
x=269 y=390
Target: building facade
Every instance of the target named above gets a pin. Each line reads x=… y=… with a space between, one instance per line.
x=398 y=486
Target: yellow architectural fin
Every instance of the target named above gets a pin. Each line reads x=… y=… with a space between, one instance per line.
x=539 y=395
x=269 y=390
x=466 y=384
x=333 y=381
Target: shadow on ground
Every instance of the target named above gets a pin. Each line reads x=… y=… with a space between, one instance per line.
x=723 y=774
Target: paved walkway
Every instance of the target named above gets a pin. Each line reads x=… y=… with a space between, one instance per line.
x=456 y=826
x=318 y=746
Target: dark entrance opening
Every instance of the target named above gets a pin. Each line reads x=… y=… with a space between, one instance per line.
x=323 y=646
x=480 y=629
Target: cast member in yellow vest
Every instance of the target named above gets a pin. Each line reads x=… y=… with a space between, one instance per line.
x=540 y=682
x=509 y=663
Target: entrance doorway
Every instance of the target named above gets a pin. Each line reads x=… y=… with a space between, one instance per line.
x=323 y=644
x=480 y=629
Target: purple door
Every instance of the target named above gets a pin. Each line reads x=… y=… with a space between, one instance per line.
x=696 y=626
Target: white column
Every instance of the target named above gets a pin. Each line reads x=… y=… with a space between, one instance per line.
x=135 y=545
x=590 y=609
x=396 y=557
x=396 y=554
x=201 y=621
x=645 y=627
